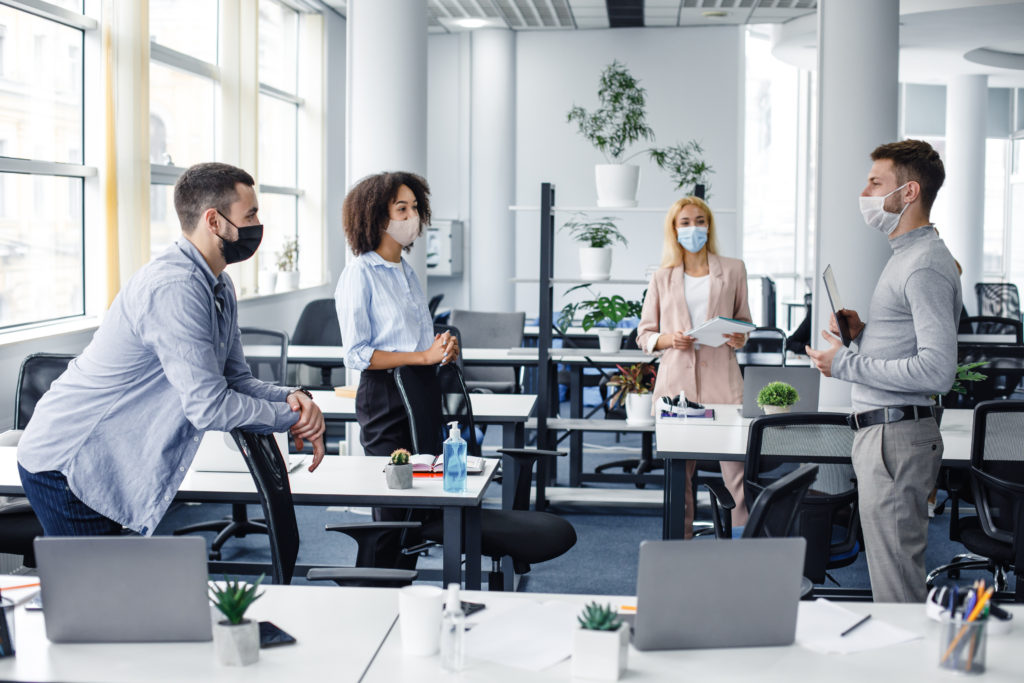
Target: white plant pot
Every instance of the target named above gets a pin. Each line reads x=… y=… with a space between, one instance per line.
x=600 y=655
x=287 y=280
x=616 y=185
x=775 y=410
x=609 y=341
x=595 y=263
x=267 y=281
x=398 y=476
x=237 y=644
x=638 y=409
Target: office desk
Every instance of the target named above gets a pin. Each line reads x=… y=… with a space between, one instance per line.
x=725 y=438
x=340 y=480
x=337 y=632
x=913 y=661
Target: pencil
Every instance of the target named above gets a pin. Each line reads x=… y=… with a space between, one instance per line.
x=850 y=630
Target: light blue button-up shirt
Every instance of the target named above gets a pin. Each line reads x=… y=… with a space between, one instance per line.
x=125 y=420
x=381 y=307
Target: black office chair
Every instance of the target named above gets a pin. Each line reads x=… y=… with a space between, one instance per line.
x=491 y=331
x=270 y=475
x=318 y=326
x=765 y=346
x=775 y=509
x=526 y=536
x=434 y=302
x=995 y=534
x=998 y=298
x=238 y=524
x=991 y=324
x=828 y=517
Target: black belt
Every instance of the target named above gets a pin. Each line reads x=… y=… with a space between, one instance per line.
x=887 y=416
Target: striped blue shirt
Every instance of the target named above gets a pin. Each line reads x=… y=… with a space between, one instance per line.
x=381 y=307
x=125 y=420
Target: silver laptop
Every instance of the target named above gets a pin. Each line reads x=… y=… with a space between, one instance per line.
x=710 y=593
x=121 y=589
x=806 y=381
x=219 y=453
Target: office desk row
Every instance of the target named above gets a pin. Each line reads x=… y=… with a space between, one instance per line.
x=351 y=634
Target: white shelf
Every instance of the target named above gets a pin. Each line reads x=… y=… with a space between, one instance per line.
x=606 y=209
x=576 y=281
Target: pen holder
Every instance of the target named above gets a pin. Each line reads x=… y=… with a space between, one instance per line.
x=7 y=628
x=962 y=645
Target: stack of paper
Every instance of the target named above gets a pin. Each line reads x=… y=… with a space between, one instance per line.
x=820 y=623
x=710 y=333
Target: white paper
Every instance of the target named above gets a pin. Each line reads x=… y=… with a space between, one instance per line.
x=820 y=623
x=531 y=636
x=710 y=333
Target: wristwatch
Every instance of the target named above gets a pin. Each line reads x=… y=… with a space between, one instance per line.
x=303 y=390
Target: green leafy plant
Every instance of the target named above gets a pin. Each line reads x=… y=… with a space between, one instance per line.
x=400 y=456
x=235 y=597
x=967 y=373
x=684 y=164
x=777 y=394
x=636 y=379
x=621 y=120
x=601 y=232
x=595 y=617
x=609 y=310
x=288 y=257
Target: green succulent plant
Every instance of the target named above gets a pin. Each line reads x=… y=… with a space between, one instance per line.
x=595 y=617
x=400 y=456
x=235 y=597
x=777 y=394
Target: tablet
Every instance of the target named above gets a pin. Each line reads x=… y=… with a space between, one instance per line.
x=837 y=305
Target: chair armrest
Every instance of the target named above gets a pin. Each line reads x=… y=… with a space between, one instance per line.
x=11 y=437
x=369 y=527
x=720 y=494
x=14 y=506
x=529 y=453
x=363 y=576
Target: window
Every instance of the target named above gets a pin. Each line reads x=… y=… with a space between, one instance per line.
x=42 y=176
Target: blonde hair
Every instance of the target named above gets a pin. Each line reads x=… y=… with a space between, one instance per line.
x=672 y=252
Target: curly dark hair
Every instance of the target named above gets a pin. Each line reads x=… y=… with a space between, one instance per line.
x=365 y=211
x=915 y=160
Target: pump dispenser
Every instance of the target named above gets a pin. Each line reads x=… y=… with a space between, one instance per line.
x=454 y=460
x=453 y=631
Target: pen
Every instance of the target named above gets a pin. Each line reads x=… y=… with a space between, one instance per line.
x=850 y=630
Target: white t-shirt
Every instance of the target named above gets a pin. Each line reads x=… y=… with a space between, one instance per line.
x=698 y=292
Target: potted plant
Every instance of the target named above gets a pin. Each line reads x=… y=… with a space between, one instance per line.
x=685 y=166
x=600 y=310
x=633 y=389
x=235 y=638
x=598 y=235
x=398 y=472
x=966 y=372
x=288 y=266
x=777 y=397
x=600 y=645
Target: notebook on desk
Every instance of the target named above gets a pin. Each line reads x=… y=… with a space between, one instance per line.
x=709 y=593
x=124 y=589
x=806 y=381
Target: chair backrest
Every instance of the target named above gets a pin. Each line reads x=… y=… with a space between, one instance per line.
x=37 y=373
x=270 y=474
x=774 y=511
x=992 y=324
x=269 y=370
x=768 y=305
x=997 y=468
x=434 y=302
x=765 y=346
x=421 y=394
x=778 y=444
x=440 y=328
x=998 y=298
x=318 y=325
x=487 y=330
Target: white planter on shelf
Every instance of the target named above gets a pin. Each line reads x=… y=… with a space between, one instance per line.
x=287 y=280
x=609 y=341
x=237 y=644
x=616 y=185
x=595 y=263
x=267 y=281
x=600 y=655
x=775 y=410
x=638 y=409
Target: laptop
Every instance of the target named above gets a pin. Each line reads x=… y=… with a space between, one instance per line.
x=219 y=453
x=806 y=381
x=124 y=589
x=709 y=594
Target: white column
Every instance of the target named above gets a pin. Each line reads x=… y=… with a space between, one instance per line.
x=387 y=94
x=492 y=147
x=964 y=190
x=858 y=68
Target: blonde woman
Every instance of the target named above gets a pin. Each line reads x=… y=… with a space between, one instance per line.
x=695 y=284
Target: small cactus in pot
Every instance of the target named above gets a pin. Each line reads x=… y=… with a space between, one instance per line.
x=398 y=472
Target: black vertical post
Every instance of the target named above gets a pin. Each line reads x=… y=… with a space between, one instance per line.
x=546 y=383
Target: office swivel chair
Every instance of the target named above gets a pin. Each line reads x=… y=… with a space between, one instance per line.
x=516 y=532
x=765 y=346
x=490 y=331
x=998 y=298
x=991 y=324
x=994 y=536
x=270 y=475
x=318 y=326
x=775 y=509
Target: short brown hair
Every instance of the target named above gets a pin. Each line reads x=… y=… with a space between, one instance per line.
x=915 y=160
x=207 y=186
x=365 y=213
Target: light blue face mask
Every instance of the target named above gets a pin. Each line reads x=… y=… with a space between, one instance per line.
x=692 y=238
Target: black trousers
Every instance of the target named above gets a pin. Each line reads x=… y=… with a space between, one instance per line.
x=383 y=427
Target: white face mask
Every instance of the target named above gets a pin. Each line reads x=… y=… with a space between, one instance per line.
x=404 y=232
x=875 y=215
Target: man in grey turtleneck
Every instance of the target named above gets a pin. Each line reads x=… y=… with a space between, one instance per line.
x=905 y=353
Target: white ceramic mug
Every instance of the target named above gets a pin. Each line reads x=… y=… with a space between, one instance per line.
x=419 y=617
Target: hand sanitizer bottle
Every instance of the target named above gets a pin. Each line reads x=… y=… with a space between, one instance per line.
x=454 y=460
x=453 y=631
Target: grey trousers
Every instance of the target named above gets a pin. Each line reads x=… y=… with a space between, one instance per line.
x=896 y=465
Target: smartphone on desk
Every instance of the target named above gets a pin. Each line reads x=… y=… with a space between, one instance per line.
x=272 y=636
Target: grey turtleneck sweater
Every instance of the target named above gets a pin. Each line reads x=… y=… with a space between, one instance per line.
x=907 y=350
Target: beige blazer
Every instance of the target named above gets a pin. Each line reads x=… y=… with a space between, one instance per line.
x=707 y=375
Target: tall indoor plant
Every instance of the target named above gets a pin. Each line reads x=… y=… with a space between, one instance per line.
x=596 y=238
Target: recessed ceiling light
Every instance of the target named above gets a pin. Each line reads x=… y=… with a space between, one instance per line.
x=715 y=14
x=471 y=23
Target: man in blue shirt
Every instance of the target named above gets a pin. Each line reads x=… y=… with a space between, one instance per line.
x=110 y=442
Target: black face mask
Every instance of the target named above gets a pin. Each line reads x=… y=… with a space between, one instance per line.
x=249 y=238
